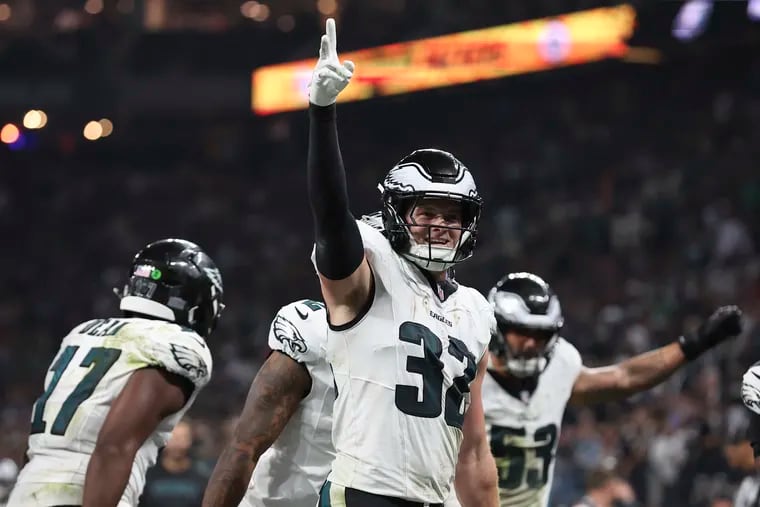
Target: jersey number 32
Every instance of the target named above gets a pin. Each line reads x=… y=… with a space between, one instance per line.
x=431 y=368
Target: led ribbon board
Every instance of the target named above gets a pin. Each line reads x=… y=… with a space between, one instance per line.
x=463 y=57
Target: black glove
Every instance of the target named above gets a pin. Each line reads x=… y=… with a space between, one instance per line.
x=724 y=323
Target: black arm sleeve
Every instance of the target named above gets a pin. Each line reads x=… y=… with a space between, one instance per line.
x=339 y=247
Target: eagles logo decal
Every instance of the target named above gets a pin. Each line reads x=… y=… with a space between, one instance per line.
x=393 y=183
x=189 y=361
x=287 y=334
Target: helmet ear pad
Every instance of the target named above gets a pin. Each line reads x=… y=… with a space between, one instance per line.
x=394 y=213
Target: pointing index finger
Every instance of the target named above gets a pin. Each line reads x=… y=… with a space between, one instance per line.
x=332 y=38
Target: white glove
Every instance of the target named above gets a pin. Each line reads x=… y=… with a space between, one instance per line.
x=330 y=77
x=751 y=388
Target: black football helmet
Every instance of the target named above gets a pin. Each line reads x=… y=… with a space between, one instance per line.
x=429 y=174
x=523 y=302
x=174 y=280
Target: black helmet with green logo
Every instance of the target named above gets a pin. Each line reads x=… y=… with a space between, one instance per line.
x=174 y=280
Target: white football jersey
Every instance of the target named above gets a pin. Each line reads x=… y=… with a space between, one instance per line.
x=92 y=367
x=402 y=374
x=524 y=432
x=291 y=471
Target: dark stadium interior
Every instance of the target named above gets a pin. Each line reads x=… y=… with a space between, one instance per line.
x=633 y=187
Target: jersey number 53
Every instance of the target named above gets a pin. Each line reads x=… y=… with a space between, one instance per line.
x=523 y=460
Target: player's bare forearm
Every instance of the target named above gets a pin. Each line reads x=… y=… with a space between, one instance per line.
x=275 y=395
x=477 y=481
x=231 y=476
x=631 y=376
x=107 y=475
x=150 y=395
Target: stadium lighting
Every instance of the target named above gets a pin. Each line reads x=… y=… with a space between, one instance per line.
x=262 y=13
x=9 y=133
x=327 y=7
x=249 y=8
x=35 y=119
x=93 y=7
x=107 y=127
x=753 y=10
x=5 y=12
x=93 y=131
x=692 y=19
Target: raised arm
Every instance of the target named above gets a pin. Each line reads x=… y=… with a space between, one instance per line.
x=344 y=273
x=275 y=395
x=646 y=370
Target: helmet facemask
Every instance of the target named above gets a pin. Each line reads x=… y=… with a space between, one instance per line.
x=525 y=305
x=518 y=364
x=398 y=215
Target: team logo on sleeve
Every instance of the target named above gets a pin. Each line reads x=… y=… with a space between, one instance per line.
x=287 y=334
x=190 y=361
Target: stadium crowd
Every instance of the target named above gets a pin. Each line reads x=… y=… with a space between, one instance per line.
x=634 y=195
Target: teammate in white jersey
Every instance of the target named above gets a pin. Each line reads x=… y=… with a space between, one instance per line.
x=118 y=386
x=750 y=393
x=289 y=408
x=406 y=343
x=534 y=373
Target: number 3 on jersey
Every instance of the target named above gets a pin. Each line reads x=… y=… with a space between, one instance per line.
x=101 y=360
x=431 y=368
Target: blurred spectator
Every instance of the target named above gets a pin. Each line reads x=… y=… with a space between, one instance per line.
x=8 y=474
x=604 y=488
x=175 y=480
x=722 y=501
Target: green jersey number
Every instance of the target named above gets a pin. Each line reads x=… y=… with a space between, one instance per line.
x=99 y=360
x=515 y=467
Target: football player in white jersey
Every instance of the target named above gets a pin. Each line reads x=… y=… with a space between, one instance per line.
x=289 y=408
x=534 y=373
x=750 y=393
x=118 y=386
x=406 y=343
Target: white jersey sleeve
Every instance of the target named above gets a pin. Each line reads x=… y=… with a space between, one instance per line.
x=299 y=330
x=164 y=345
x=381 y=257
